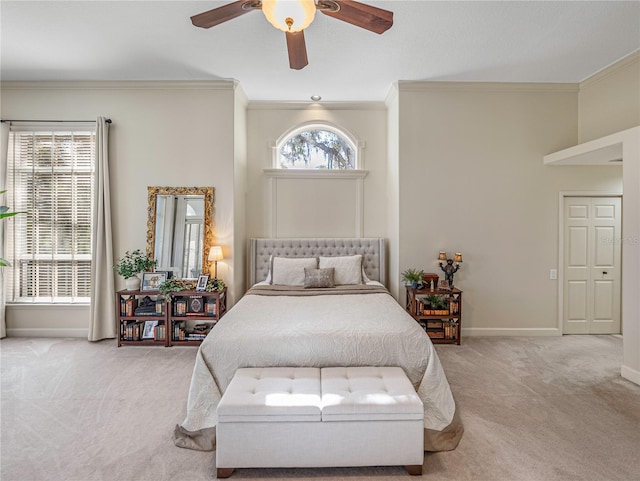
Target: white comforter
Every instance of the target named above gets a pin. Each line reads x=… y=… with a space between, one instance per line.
x=318 y=331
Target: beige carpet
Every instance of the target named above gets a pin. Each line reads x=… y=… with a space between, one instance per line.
x=534 y=409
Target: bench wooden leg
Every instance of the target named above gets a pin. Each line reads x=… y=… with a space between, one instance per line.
x=414 y=469
x=224 y=472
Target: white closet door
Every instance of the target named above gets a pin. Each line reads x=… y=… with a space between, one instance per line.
x=592 y=249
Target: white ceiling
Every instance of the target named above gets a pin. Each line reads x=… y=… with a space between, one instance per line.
x=500 y=41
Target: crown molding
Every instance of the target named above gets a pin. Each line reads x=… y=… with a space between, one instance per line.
x=424 y=86
x=621 y=64
x=315 y=106
x=120 y=85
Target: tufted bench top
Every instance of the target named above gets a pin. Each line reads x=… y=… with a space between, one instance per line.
x=278 y=394
x=368 y=394
x=272 y=394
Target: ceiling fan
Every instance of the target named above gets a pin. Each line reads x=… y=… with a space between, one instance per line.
x=293 y=16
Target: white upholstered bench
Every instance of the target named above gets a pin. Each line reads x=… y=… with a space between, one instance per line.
x=311 y=417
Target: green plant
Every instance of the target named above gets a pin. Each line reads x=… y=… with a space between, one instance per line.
x=4 y=212
x=133 y=263
x=215 y=285
x=437 y=301
x=177 y=285
x=411 y=276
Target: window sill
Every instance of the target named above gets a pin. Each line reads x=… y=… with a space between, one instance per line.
x=45 y=305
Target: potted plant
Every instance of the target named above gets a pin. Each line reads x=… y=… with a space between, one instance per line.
x=130 y=265
x=438 y=303
x=413 y=277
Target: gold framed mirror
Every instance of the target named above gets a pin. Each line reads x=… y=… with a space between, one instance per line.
x=180 y=228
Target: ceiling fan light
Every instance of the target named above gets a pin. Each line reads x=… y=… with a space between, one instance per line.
x=281 y=13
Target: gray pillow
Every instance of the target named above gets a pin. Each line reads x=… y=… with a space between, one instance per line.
x=318 y=277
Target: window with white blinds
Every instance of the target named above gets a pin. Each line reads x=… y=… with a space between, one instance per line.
x=50 y=177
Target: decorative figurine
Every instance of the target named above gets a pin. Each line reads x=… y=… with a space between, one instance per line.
x=449 y=269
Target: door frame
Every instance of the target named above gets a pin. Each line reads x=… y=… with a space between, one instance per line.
x=576 y=193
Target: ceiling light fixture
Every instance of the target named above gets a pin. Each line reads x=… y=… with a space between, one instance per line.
x=316 y=98
x=294 y=16
x=289 y=15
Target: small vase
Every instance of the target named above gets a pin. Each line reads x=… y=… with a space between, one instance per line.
x=132 y=283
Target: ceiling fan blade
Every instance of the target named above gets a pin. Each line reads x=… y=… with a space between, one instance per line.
x=361 y=15
x=214 y=17
x=297 y=50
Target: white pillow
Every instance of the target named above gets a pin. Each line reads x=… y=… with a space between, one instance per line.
x=347 y=269
x=289 y=271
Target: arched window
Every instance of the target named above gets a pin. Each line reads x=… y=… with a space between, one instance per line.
x=316 y=146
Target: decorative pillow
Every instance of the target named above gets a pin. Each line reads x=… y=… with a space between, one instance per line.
x=289 y=271
x=318 y=277
x=348 y=269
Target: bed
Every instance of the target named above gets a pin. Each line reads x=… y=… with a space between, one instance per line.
x=282 y=323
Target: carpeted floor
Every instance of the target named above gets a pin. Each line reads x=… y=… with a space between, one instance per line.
x=534 y=409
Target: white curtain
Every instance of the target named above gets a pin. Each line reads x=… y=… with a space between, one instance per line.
x=4 y=145
x=102 y=321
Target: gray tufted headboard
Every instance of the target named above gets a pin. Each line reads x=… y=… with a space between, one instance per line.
x=372 y=250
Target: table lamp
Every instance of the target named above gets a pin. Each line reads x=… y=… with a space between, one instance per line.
x=215 y=255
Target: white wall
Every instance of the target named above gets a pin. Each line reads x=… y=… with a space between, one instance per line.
x=609 y=101
x=631 y=256
x=393 y=191
x=472 y=181
x=238 y=234
x=163 y=133
x=267 y=122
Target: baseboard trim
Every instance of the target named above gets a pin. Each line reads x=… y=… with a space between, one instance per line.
x=48 y=332
x=630 y=374
x=510 y=331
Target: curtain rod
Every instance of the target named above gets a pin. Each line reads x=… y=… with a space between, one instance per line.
x=61 y=121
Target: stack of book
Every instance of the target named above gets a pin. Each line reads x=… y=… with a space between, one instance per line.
x=132 y=331
x=128 y=306
x=159 y=332
x=179 y=331
x=199 y=332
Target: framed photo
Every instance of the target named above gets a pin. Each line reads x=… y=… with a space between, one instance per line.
x=152 y=280
x=202 y=283
x=148 y=329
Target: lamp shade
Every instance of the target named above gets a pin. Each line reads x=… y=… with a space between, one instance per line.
x=215 y=254
x=289 y=15
x=442 y=256
x=457 y=257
